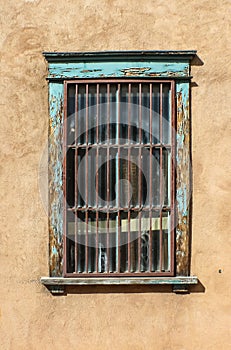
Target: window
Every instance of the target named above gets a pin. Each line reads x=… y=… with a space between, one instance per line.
x=119 y=188
x=119 y=167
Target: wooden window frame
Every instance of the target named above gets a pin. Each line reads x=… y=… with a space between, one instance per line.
x=169 y=65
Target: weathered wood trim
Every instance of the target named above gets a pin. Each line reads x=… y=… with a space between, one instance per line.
x=120 y=55
x=119 y=281
x=183 y=188
x=97 y=69
x=56 y=95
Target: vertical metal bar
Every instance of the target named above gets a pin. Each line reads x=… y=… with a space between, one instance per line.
x=97 y=179
x=76 y=177
x=86 y=195
x=64 y=181
x=108 y=174
x=129 y=176
x=150 y=178
x=173 y=131
x=86 y=242
x=139 y=176
x=118 y=181
x=139 y=240
x=161 y=172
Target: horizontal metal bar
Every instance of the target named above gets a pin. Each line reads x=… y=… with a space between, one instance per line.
x=117 y=80
x=48 y=281
x=111 y=209
x=125 y=145
x=147 y=79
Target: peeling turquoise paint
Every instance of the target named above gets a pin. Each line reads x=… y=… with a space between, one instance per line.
x=183 y=175
x=56 y=101
x=121 y=69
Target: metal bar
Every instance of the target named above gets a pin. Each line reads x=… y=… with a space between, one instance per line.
x=121 y=274
x=161 y=174
x=132 y=145
x=173 y=154
x=65 y=181
x=76 y=177
x=139 y=241
x=87 y=175
x=139 y=175
x=112 y=209
x=118 y=181
x=119 y=80
x=129 y=176
x=108 y=174
x=150 y=178
x=97 y=179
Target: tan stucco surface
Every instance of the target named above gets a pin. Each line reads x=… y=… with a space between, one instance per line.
x=106 y=318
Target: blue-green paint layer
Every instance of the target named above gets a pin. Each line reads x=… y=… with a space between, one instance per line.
x=56 y=99
x=183 y=172
x=145 y=69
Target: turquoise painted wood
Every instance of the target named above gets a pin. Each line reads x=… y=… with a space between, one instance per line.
x=151 y=69
x=55 y=162
x=183 y=176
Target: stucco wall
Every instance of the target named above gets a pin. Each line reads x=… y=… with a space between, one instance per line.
x=106 y=318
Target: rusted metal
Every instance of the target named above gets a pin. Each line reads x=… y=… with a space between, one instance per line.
x=161 y=176
x=76 y=177
x=97 y=179
x=150 y=177
x=173 y=176
x=118 y=189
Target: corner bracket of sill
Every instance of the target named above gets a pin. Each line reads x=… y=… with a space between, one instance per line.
x=180 y=284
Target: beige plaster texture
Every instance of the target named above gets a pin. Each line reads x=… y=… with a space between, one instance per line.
x=112 y=318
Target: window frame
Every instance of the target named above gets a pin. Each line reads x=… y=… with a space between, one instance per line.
x=108 y=274
x=160 y=65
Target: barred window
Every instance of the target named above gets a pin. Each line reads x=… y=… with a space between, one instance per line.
x=119 y=188
x=119 y=168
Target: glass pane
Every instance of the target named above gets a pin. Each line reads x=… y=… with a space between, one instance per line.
x=123 y=114
x=91 y=241
x=71 y=115
x=112 y=242
x=134 y=117
x=81 y=177
x=102 y=245
x=156 y=177
x=70 y=242
x=145 y=124
x=166 y=227
x=155 y=113
x=70 y=177
x=166 y=124
x=145 y=241
x=113 y=113
x=103 y=113
x=166 y=177
x=102 y=176
x=91 y=177
x=92 y=112
x=81 y=114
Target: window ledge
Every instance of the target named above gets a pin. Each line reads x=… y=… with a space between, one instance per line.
x=56 y=285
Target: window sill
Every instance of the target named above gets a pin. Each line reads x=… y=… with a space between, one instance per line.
x=56 y=285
